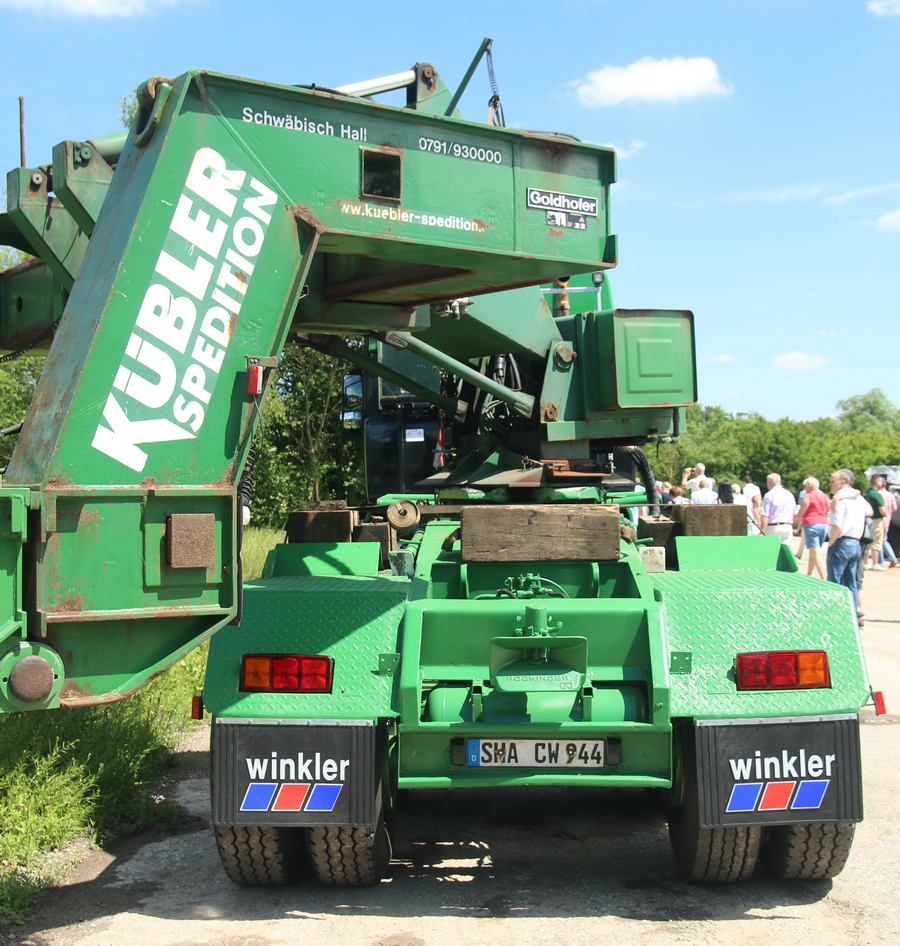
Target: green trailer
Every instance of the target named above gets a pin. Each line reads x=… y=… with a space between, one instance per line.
x=513 y=622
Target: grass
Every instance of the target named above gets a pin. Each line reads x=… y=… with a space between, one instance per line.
x=257 y=545
x=93 y=772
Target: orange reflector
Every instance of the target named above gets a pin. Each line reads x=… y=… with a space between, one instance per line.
x=813 y=668
x=878 y=697
x=286 y=673
x=256 y=673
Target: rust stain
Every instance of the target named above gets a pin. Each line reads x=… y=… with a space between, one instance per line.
x=552 y=231
x=302 y=212
x=73 y=694
x=71 y=604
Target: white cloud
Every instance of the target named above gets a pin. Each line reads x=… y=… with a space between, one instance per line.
x=884 y=7
x=799 y=361
x=889 y=222
x=864 y=191
x=781 y=194
x=652 y=80
x=732 y=394
x=826 y=334
x=627 y=151
x=722 y=358
x=120 y=8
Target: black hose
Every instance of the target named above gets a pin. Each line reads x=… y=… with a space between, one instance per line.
x=643 y=464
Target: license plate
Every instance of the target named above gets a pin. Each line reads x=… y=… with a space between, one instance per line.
x=535 y=753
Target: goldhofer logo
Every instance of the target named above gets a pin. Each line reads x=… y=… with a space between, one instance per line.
x=553 y=200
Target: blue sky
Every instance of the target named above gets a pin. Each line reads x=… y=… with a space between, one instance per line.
x=759 y=143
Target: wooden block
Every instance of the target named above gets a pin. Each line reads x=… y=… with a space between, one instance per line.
x=547 y=533
x=661 y=531
x=321 y=525
x=381 y=532
x=711 y=520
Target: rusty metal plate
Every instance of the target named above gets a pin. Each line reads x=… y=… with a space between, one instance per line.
x=191 y=540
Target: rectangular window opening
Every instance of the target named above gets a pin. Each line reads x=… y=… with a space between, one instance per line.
x=381 y=175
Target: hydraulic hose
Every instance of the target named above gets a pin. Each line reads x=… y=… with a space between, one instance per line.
x=643 y=464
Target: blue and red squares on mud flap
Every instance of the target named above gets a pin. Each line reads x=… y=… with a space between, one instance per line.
x=290 y=796
x=777 y=796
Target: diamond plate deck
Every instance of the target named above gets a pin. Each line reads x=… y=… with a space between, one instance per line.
x=313 y=615
x=716 y=615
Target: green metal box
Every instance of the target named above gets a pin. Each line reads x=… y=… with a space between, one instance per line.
x=647 y=358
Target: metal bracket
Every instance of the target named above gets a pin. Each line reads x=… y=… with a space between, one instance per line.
x=388 y=664
x=680 y=662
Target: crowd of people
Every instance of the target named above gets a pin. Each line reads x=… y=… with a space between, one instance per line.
x=851 y=525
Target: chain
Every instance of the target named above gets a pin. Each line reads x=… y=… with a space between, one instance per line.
x=13 y=355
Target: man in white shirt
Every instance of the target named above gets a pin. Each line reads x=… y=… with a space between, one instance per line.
x=847 y=520
x=704 y=495
x=750 y=488
x=696 y=474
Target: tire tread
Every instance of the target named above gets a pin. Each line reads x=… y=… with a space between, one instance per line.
x=813 y=851
x=349 y=856
x=259 y=856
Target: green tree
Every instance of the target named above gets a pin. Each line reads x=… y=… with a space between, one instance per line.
x=129 y=108
x=736 y=446
x=303 y=452
x=18 y=379
x=870 y=412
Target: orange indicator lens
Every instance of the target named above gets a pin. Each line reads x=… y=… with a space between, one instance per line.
x=256 y=673
x=813 y=668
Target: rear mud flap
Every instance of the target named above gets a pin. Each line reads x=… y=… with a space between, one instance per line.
x=295 y=772
x=790 y=770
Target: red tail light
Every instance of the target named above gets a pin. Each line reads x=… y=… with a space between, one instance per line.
x=782 y=670
x=286 y=673
x=254 y=379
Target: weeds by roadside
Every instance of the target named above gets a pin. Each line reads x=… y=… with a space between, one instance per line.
x=70 y=773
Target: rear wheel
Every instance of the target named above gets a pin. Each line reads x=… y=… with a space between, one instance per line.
x=260 y=855
x=352 y=856
x=816 y=851
x=707 y=855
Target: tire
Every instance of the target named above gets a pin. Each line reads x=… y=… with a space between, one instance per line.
x=260 y=855
x=350 y=856
x=707 y=855
x=816 y=851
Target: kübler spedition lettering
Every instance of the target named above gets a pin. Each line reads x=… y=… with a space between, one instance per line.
x=184 y=324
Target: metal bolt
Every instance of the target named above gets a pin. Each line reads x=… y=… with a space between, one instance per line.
x=37 y=178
